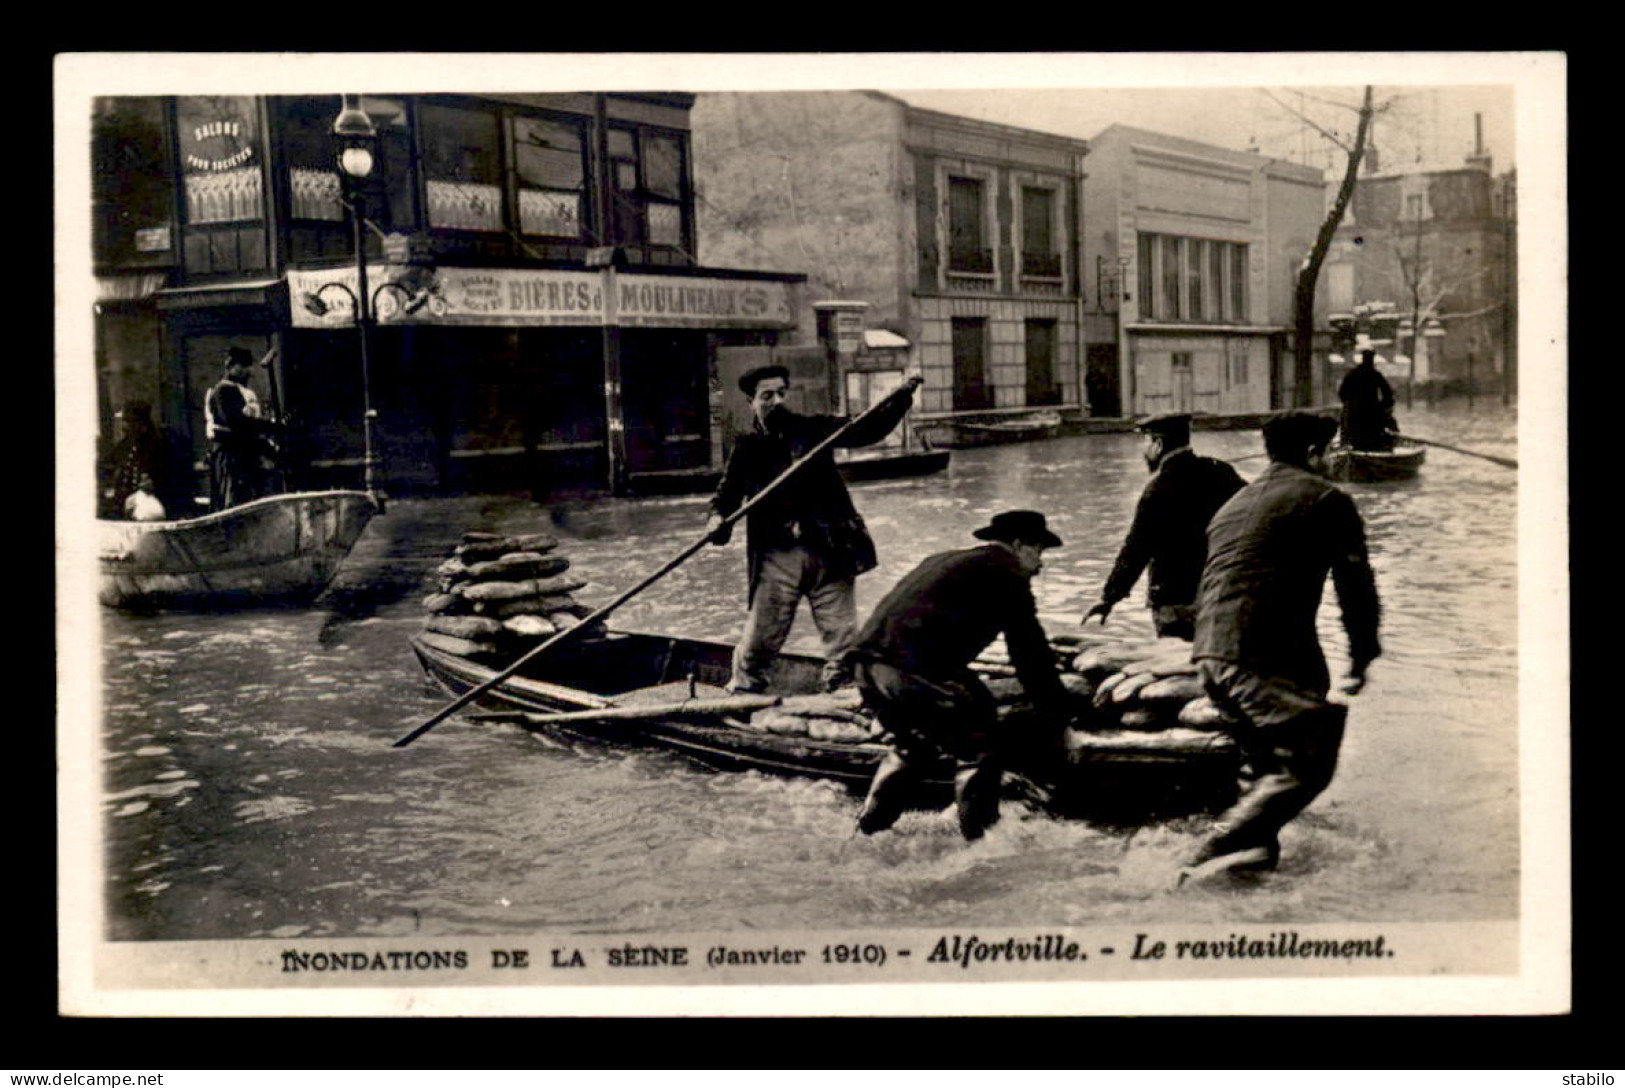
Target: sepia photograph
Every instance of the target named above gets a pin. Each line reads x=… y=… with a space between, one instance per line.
x=889 y=534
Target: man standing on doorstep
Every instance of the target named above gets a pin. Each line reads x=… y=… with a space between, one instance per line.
x=912 y=664
x=1269 y=550
x=1169 y=531
x=805 y=539
x=239 y=438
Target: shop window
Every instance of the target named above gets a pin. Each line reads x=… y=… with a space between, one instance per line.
x=971 y=389
x=1193 y=279
x=551 y=176
x=646 y=191
x=968 y=249
x=462 y=168
x=1171 y=306
x=307 y=149
x=1147 y=255
x=222 y=162
x=1237 y=358
x=1215 y=279
x=318 y=221
x=1195 y=253
x=1039 y=256
x=663 y=167
x=1238 y=283
x=131 y=182
x=1041 y=385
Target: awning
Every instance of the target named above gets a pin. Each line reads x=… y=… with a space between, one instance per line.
x=883 y=339
x=208 y=296
x=130 y=288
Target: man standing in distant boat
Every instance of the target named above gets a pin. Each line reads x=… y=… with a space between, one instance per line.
x=1270 y=549
x=1169 y=531
x=912 y=665
x=805 y=539
x=239 y=438
x=1368 y=406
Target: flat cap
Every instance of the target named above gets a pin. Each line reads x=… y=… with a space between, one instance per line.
x=749 y=379
x=1166 y=423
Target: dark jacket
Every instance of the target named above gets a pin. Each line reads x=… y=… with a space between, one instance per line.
x=1269 y=551
x=1169 y=532
x=1368 y=408
x=225 y=409
x=947 y=610
x=813 y=507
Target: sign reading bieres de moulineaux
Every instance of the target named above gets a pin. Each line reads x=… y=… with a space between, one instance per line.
x=514 y=297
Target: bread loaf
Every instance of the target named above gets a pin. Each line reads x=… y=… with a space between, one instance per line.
x=466 y=627
x=462 y=647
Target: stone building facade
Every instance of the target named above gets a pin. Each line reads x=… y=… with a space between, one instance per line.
x=961 y=236
x=1441 y=247
x=1195 y=249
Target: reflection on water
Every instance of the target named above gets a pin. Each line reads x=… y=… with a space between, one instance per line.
x=251 y=790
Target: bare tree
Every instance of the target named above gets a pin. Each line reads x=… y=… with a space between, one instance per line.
x=1303 y=372
x=1430 y=281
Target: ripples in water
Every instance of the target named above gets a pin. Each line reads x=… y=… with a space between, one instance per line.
x=251 y=790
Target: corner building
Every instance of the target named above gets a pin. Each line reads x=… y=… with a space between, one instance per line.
x=568 y=341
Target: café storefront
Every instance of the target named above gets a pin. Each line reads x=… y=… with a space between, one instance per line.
x=537 y=379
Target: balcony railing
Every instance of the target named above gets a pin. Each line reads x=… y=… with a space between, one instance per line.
x=1047 y=265
x=969 y=259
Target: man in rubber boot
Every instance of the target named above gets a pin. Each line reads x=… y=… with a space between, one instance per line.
x=912 y=666
x=1169 y=531
x=805 y=539
x=1270 y=549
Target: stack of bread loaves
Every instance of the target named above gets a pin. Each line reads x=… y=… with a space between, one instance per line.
x=1147 y=685
x=500 y=593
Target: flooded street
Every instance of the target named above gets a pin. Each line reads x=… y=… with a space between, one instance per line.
x=251 y=790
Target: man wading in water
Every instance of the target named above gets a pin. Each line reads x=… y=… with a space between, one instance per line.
x=1169 y=533
x=1270 y=549
x=912 y=664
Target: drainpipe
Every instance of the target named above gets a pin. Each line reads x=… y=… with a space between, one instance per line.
x=1079 y=348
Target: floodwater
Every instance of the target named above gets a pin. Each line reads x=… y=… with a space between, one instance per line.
x=251 y=789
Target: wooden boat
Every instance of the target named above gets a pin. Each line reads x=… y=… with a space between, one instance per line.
x=625 y=689
x=283 y=548
x=1402 y=462
x=974 y=433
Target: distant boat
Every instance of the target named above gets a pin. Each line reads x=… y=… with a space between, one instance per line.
x=1402 y=462
x=889 y=464
x=970 y=434
x=279 y=549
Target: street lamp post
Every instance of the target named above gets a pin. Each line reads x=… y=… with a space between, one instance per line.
x=355 y=140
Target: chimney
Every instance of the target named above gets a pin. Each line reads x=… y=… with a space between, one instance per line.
x=1478 y=159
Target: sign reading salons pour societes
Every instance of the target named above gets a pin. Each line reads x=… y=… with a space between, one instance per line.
x=515 y=297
